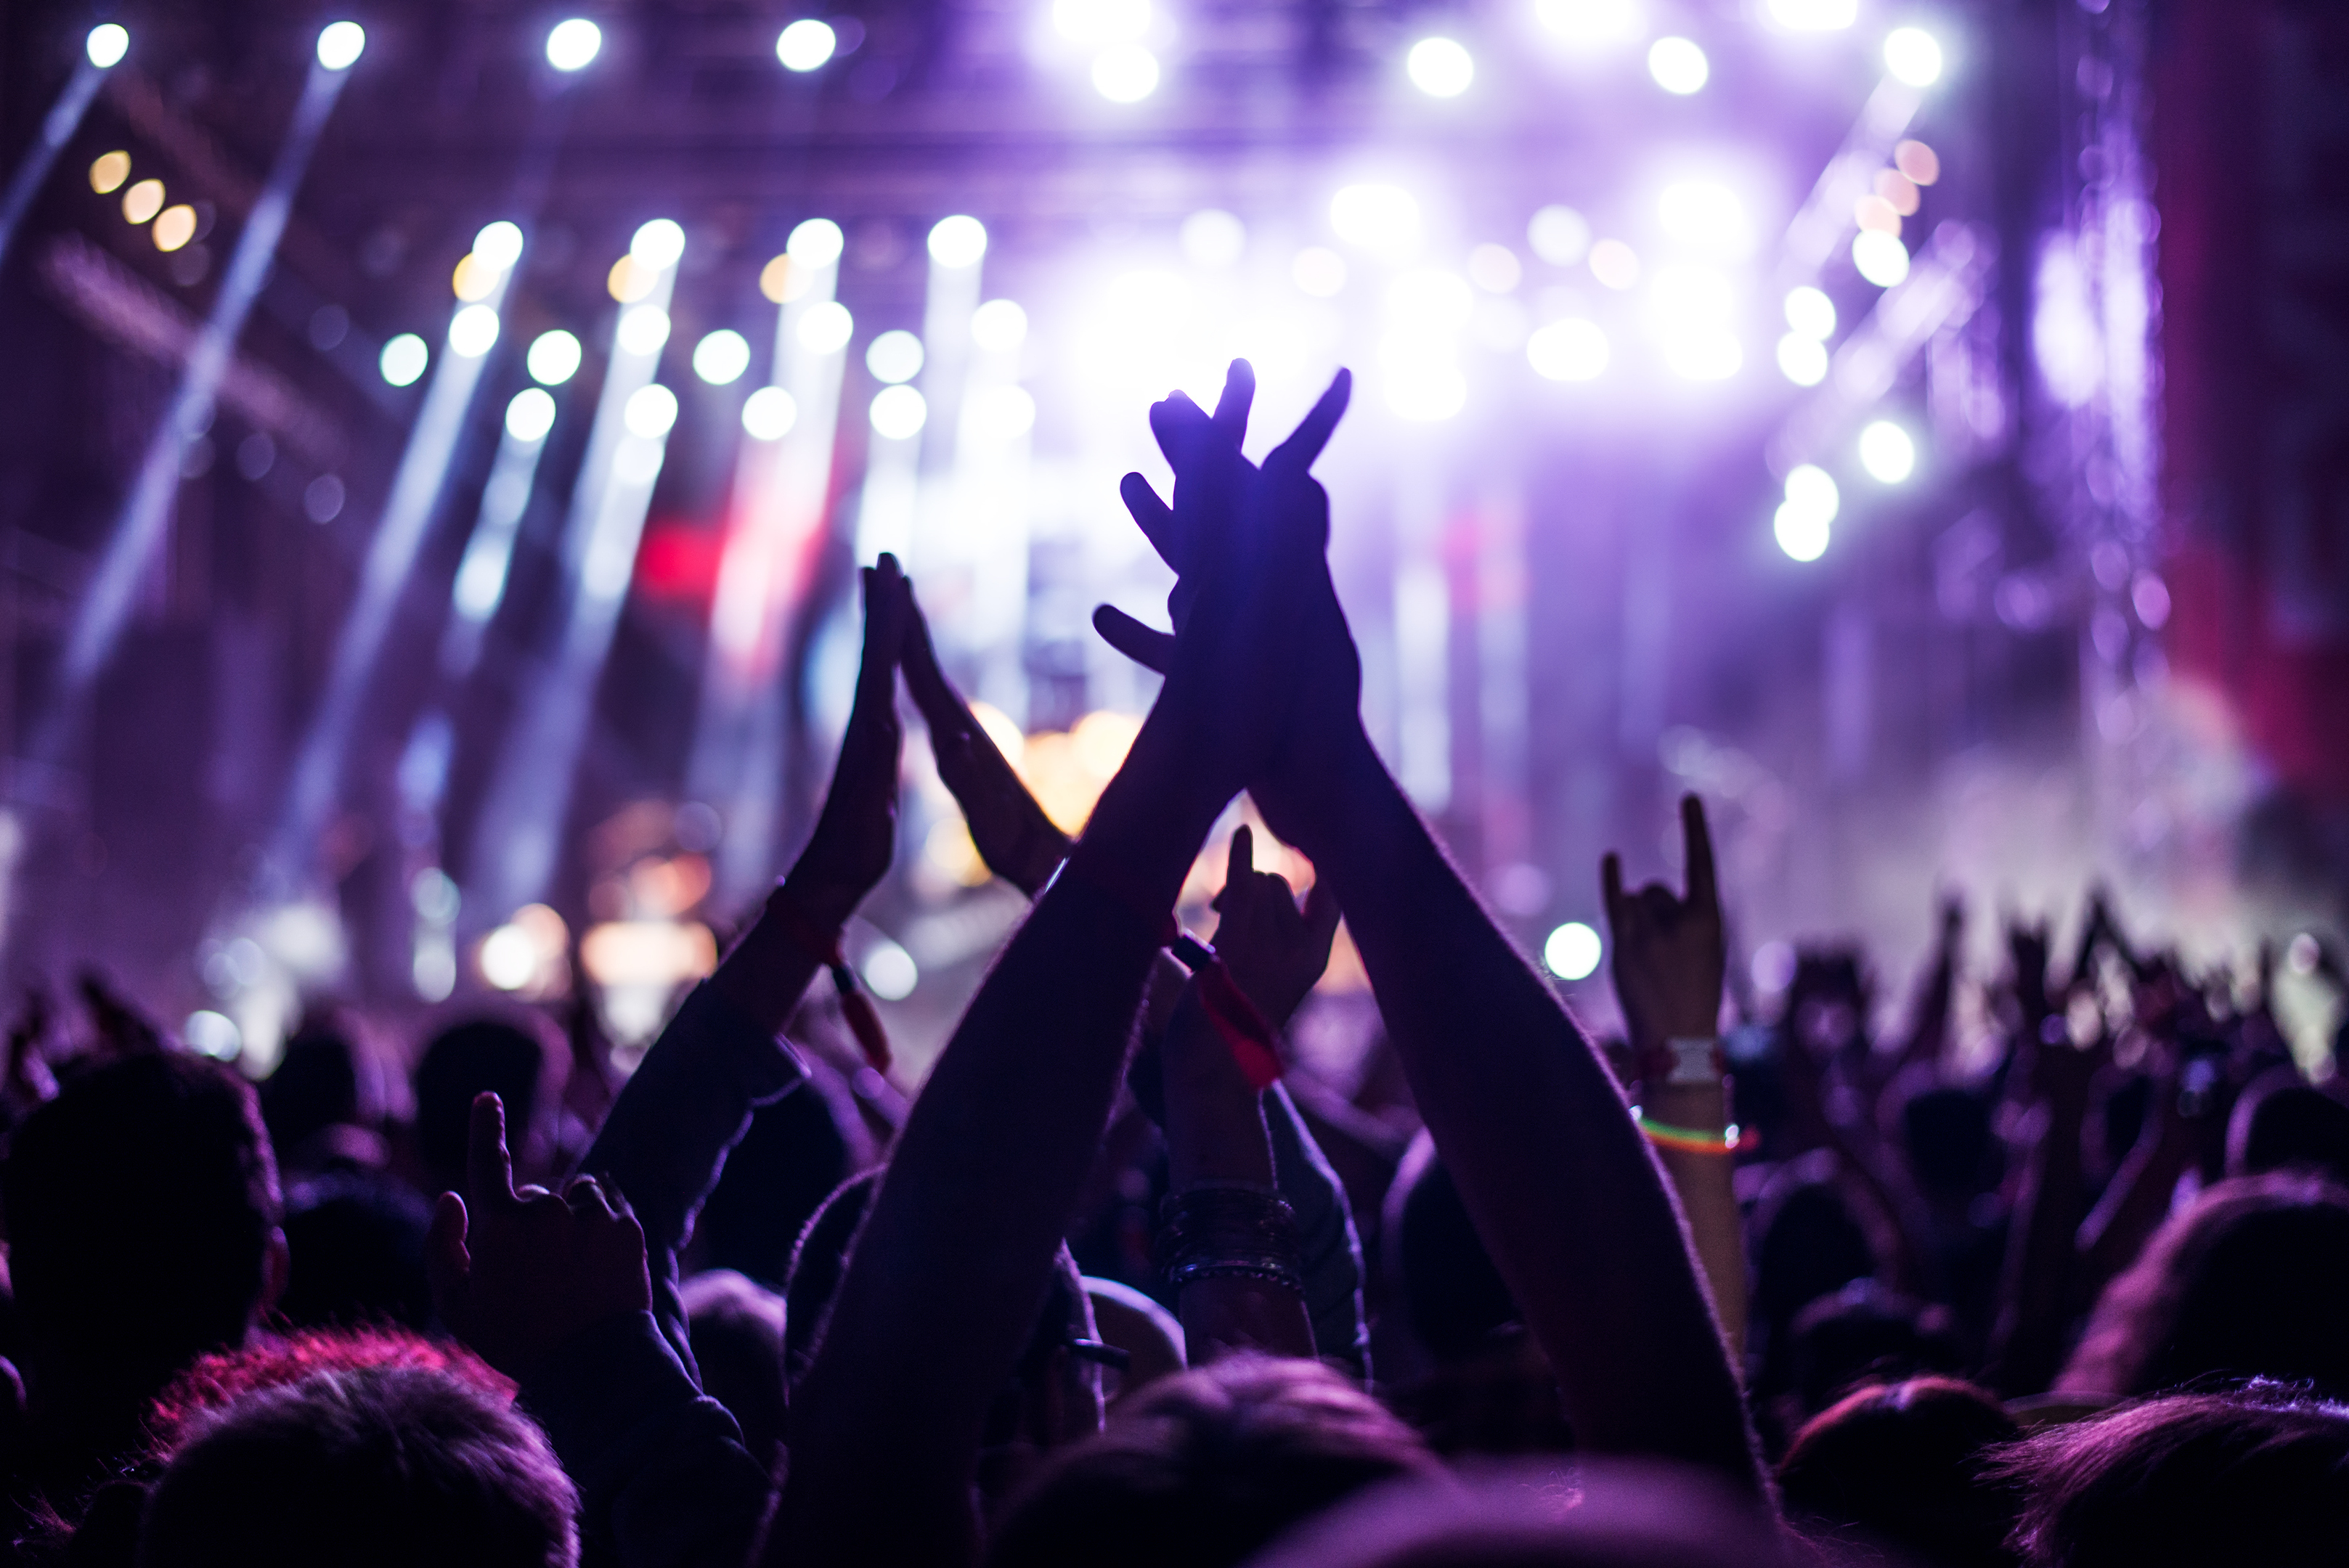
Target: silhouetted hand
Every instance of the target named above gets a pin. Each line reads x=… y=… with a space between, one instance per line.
x=856 y=834
x=1669 y=953
x=2028 y=946
x=517 y=1271
x=1275 y=951
x=1013 y=835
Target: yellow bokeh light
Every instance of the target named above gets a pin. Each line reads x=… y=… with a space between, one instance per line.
x=775 y=280
x=143 y=200
x=631 y=280
x=475 y=279
x=109 y=171
x=174 y=227
x=949 y=847
x=1103 y=739
x=1000 y=730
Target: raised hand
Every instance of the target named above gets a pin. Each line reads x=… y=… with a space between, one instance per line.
x=1013 y=835
x=517 y=1271
x=1669 y=953
x=855 y=835
x=1275 y=950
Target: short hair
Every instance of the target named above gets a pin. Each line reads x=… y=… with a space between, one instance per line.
x=2281 y=1124
x=1907 y=1464
x=2258 y=1475
x=379 y=1467
x=2251 y=1282
x=1200 y=1471
x=461 y=1062
x=140 y=1206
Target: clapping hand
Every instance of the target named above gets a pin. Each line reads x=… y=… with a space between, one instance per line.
x=855 y=835
x=1275 y=951
x=1669 y=950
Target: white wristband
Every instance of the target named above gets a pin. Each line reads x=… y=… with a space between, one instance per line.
x=1694 y=1061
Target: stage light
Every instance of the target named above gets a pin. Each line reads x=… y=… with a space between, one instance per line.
x=1494 y=268
x=1679 y=65
x=509 y=958
x=999 y=326
x=1802 y=535
x=1615 y=263
x=720 y=358
x=1811 y=490
x=1559 y=235
x=107 y=44
x=643 y=329
x=174 y=227
x=553 y=357
x=650 y=411
x=210 y=1034
x=816 y=242
x=769 y=414
x=958 y=242
x=1439 y=67
x=1700 y=212
x=1814 y=15
x=1375 y=217
x=826 y=328
x=340 y=44
x=1125 y=73
x=893 y=356
x=889 y=971
x=1569 y=350
x=1880 y=257
x=473 y=331
x=1213 y=238
x=1810 y=313
x=1430 y=297
x=573 y=44
x=1573 y=951
x=499 y=243
x=1917 y=162
x=530 y=414
x=475 y=277
x=1004 y=414
x=142 y=201
x=1588 y=22
x=806 y=44
x=659 y=243
x=1318 y=271
x=1872 y=211
x=1914 y=55
x=1802 y=360
x=1887 y=452
x=898 y=412
x=107 y=172
x=1095 y=22
x=404 y=359
x=2149 y=596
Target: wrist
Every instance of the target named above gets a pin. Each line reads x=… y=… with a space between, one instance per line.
x=814 y=900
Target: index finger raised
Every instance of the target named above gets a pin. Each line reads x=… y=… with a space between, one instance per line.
x=1701 y=889
x=489 y=1166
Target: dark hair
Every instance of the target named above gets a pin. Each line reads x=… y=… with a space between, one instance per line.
x=460 y=1063
x=2260 y=1475
x=1948 y=1136
x=1200 y=1471
x=796 y=1151
x=1866 y=1332
x=355 y=1241
x=2252 y=1281
x=1455 y=1297
x=140 y=1204
x=2280 y=1123
x=1907 y=1464
x=389 y=1466
x=736 y=1328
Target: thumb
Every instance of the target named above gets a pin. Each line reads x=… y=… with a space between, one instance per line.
x=1152 y=650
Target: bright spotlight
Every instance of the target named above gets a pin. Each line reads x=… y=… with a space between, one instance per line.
x=816 y=242
x=1802 y=535
x=531 y=414
x=1887 y=452
x=509 y=957
x=1811 y=490
x=1880 y=257
x=1569 y=350
x=1679 y=65
x=404 y=359
x=1814 y=15
x=1802 y=360
x=473 y=332
x=1559 y=235
x=1810 y=313
x=893 y=356
x=659 y=243
x=1572 y=951
x=107 y=44
x=574 y=44
x=1320 y=272
x=1914 y=55
x=649 y=411
x=769 y=414
x=1125 y=73
x=1097 y=23
x=1441 y=67
x=499 y=243
x=806 y=44
x=721 y=357
x=1375 y=217
x=643 y=329
x=898 y=412
x=999 y=326
x=826 y=328
x=553 y=357
x=958 y=242
x=1701 y=213
x=1213 y=238
x=340 y=44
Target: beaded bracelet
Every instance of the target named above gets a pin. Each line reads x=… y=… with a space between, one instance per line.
x=1230 y=1230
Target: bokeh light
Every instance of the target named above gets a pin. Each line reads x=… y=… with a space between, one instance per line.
x=499 y=244
x=1568 y=350
x=553 y=357
x=769 y=414
x=142 y=201
x=659 y=243
x=108 y=171
x=1880 y=257
x=806 y=44
x=174 y=227
x=644 y=328
x=1814 y=15
x=893 y=356
x=1615 y=263
x=1914 y=55
x=1559 y=235
x=107 y=44
x=958 y=242
x=1441 y=66
x=816 y=242
x=340 y=44
x=650 y=411
x=473 y=332
x=1375 y=217
x=574 y=44
x=1213 y=238
x=999 y=326
x=898 y=412
x=1573 y=951
x=1887 y=452
x=1802 y=360
x=826 y=328
x=403 y=359
x=1590 y=23
x=721 y=357
x=1679 y=65
x=530 y=414
x=1318 y=271
x=1811 y=312
x=1125 y=73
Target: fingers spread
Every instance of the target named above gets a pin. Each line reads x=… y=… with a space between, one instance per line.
x=1231 y=415
x=489 y=1166
x=1154 y=516
x=1312 y=433
x=1152 y=650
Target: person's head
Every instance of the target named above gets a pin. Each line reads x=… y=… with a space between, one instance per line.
x=1907 y=1465
x=355 y=1244
x=379 y=1467
x=2251 y=1282
x=1202 y=1470
x=1808 y=1243
x=498 y=1055
x=1454 y=1296
x=141 y=1208
x=798 y=1150
x=1865 y=1331
x=2260 y=1475
x=738 y=1338
x=1947 y=1135
x=2282 y=1124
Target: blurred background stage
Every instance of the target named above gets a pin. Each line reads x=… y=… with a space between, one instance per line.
x=434 y=455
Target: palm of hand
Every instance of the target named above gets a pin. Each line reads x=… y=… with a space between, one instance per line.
x=855 y=835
